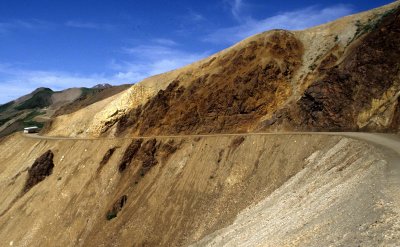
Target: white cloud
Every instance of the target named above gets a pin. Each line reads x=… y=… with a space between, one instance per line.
x=236 y=8
x=88 y=25
x=148 y=60
x=293 y=20
x=151 y=51
x=39 y=78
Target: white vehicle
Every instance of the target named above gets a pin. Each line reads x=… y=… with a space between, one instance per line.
x=32 y=129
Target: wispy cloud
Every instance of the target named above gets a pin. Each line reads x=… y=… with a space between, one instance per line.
x=236 y=8
x=13 y=25
x=194 y=16
x=189 y=24
x=88 y=25
x=165 y=42
x=148 y=60
x=293 y=20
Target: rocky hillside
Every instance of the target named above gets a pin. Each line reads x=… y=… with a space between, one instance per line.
x=91 y=180
x=260 y=190
x=43 y=104
x=342 y=75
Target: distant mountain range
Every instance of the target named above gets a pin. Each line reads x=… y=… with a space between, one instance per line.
x=40 y=106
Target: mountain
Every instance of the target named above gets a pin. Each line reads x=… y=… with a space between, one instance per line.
x=237 y=149
x=102 y=86
x=40 y=106
x=339 y=76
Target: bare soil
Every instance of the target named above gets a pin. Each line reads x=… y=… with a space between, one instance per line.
x=200 y=188
x=89 y=98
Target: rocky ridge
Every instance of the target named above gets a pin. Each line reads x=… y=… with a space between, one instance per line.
x=338 y=76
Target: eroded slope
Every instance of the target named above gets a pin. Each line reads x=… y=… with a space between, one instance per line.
x=338 y=199
x=170 y=192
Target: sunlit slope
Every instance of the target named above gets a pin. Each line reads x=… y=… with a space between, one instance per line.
x=173 y=192
x=339 y=76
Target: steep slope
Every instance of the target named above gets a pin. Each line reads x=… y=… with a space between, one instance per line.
x=328 y=203
x=90 y=96
x=247 y=84
x=357 y=91
x=342 y=75
x=173 y=192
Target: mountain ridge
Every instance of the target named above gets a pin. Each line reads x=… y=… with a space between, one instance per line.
x=151 y=102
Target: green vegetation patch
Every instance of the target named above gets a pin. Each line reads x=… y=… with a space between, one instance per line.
x=33 y=123
x=86 y=91
x=28 y=120
x=39 y=100
x=111 y=215
x=5 y=106
x=5 y=120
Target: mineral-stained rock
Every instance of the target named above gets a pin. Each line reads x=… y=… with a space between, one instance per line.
x=348 y=89
x=245 y=87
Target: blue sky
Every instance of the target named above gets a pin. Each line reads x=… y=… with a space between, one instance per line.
x=62 y=44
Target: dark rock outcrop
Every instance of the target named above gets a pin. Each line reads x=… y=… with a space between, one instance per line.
x=107 y=156
x=41 y=168
x=129 y=154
